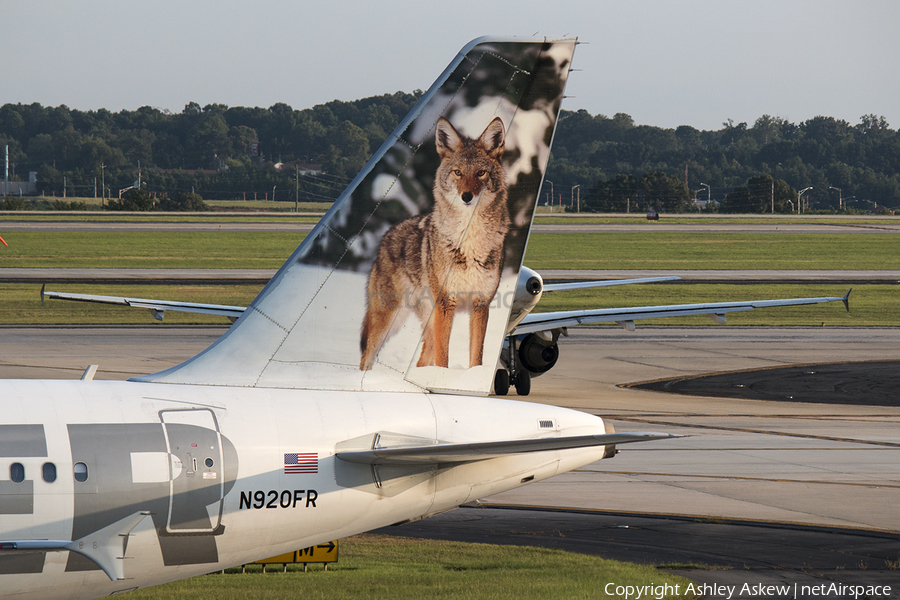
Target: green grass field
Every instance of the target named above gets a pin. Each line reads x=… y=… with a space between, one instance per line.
x=739 y=251
x=147 y=250
x=400 y=568
x=605 y=250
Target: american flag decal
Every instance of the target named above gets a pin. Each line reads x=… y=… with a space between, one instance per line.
x=301 y=462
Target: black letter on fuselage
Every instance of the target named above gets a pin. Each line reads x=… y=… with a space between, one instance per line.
x=245 y=498
x=311 y=496
x=298 y=497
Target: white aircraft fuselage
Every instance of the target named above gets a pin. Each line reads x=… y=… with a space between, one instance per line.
x=232 y=475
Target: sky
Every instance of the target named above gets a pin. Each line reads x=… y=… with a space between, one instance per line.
x=665 y=63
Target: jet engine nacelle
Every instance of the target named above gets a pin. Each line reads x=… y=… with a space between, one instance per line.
x=528 y=293
x=538 y=353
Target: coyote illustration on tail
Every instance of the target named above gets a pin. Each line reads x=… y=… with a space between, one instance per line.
x=448 y=259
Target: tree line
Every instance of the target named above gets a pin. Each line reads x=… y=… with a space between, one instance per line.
x=215 y=151
x=740 y=168
x=599 y=163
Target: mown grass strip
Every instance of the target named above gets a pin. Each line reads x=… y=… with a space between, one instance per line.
x=606 y=250
x=738 y=251
x=400 y=568
x=148 y=249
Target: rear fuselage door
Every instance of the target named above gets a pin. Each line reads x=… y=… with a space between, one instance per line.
x=196 y=470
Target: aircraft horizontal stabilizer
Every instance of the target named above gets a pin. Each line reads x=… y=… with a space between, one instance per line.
x=157 y=307
x=106 y=547
x=470 y=452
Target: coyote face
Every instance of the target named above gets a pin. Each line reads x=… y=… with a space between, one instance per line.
x=448 y=259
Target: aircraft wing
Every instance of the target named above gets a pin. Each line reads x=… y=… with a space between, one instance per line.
x=460 y=453
x=625 y=317
x=581 y=285
x=156 y=307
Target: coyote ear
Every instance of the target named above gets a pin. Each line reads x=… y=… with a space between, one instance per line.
x=492 y=138
x=446 y=138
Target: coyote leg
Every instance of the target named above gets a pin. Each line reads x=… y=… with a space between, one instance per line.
x=443 y=321
x=426 y=359
x=379 y=316
x=478 y=319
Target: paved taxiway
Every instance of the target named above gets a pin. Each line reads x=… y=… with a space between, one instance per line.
x=797 y=462
x=754 y=476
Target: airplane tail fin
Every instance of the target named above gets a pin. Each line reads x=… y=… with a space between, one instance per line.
x=406 y=283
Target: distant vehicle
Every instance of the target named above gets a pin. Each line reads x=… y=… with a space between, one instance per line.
x=652 y=215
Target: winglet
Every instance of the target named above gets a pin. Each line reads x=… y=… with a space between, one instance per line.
x=43 y=285
x=846 y=299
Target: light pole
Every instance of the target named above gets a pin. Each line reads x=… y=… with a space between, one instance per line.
x=840 y=197
x=708 y=196
x=551 y=194
x=579 y=196
x=800 y=198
